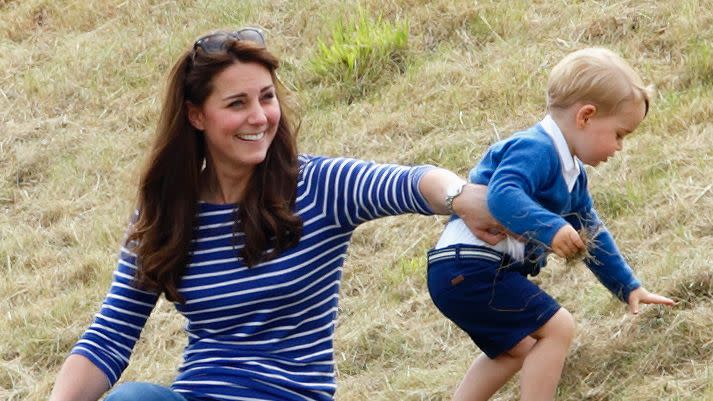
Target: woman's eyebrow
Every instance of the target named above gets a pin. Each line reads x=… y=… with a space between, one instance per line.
x=243 y=94
x=235 y=96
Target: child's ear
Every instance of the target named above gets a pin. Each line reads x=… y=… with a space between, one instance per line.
x=584 y=114
x=195 y=116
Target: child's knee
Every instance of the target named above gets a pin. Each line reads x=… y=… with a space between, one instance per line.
x=565 y=324
x=561 y=326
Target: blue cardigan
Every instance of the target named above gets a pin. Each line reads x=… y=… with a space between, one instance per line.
x=528 y=195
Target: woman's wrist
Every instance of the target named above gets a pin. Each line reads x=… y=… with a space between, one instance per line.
x=453 y=191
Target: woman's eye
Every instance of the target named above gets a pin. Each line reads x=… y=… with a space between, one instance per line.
x=237 y=103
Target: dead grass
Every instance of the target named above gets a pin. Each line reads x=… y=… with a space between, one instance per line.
x=79 y=93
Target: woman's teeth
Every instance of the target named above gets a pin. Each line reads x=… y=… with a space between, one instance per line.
x=252 y=137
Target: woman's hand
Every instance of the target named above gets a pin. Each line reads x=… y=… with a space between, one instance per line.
x=472 y=206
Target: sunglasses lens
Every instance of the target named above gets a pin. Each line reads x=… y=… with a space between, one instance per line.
x=216 y=42
x=251 y=35
x=212 y=43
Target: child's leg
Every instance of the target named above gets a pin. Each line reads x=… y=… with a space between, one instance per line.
x=542 y=368
x=485 y=376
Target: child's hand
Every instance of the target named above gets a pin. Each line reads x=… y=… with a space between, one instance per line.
x=567 y=242
x=641 y=296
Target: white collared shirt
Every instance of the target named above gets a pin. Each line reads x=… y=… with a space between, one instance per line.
x=570 y=166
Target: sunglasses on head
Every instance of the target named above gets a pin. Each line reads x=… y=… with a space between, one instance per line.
x=215 y=42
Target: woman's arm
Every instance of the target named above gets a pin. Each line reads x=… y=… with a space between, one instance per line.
x=470 y=205
x=79 y=380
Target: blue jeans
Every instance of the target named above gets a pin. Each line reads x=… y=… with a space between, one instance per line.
x=139 y=391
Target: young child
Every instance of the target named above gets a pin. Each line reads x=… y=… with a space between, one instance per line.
x=537 y=189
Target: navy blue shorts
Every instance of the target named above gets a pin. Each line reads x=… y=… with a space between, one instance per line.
x=487 y=295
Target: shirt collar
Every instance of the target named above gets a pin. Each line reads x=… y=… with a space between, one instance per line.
x=570 y=164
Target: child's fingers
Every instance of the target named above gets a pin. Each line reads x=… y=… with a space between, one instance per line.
x=634 y=305
x=657 y=299
x=577 y=241
x=634 y=298
x=640 y=295
x=567 y=242
x=559 y=252
x=563 y=249
x=574 y=244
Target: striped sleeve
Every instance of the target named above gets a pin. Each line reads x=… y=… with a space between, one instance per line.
x=356 y=191
x=109 y=340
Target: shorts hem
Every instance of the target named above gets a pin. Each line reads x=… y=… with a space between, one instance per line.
x=492 y=354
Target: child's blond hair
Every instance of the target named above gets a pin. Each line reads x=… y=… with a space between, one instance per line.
x=595 y=76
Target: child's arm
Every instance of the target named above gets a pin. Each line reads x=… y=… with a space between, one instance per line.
x=606 y=261
x=516 y=172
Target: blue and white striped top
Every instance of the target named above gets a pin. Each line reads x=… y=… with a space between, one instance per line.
x=262 y=333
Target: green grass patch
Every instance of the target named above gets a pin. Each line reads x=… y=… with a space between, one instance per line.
x=360 y=54
x=699 y=62
x=405 y=269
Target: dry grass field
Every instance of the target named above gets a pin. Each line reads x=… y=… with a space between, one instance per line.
x=80 y=87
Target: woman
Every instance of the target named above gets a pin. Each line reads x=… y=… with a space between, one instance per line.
x=245 y=236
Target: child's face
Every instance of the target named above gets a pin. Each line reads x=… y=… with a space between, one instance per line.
x=602 y=136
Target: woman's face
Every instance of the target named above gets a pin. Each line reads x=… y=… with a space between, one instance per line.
x=239 y=118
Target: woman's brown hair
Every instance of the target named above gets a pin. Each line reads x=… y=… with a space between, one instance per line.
x=170 y=181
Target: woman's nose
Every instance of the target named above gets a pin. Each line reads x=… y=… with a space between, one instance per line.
x=257 y=115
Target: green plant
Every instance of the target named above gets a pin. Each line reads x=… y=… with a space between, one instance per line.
x=700 y=62
x=360 y=54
